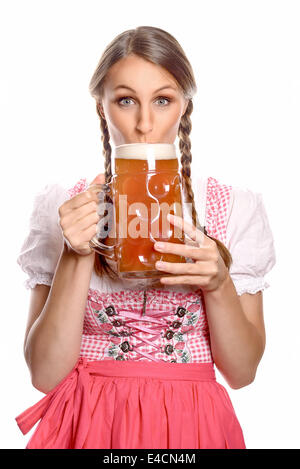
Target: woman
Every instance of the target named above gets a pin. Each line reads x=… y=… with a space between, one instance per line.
x=115 y=378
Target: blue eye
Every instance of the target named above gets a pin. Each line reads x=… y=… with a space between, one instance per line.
x=121 y=99
x=160 y=98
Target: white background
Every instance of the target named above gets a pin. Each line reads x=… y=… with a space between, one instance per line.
x=246 y=121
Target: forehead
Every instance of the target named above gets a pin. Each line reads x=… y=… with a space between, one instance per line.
x=137 y=73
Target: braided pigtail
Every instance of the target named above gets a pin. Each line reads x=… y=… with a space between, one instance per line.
x=184 y=131
x=101 y=265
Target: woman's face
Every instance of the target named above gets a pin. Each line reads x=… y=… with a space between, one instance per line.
x=141 y=114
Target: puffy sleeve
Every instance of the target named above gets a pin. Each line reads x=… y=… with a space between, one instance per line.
x=43 y=243
x=250 y=242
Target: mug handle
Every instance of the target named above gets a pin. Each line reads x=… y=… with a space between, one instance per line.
x=94 y=243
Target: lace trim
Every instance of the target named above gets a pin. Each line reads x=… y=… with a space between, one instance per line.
x=44 y=279
x=250 y=285
x=127 y=295
x=212 y=207
x=217 y=204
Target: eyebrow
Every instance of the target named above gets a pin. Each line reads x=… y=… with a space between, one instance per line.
x=131 y=89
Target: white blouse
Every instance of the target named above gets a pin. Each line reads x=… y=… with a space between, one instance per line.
x=249 y=240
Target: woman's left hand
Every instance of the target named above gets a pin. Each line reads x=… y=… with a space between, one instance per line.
x=208 y=270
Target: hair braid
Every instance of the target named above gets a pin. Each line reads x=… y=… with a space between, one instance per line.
x=106 y=151
x=184 y=131
x=101 y=263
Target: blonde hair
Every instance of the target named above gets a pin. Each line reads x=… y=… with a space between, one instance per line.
x=160 y=48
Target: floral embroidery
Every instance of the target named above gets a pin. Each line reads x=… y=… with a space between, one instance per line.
x=180 y=338
x=106 y=326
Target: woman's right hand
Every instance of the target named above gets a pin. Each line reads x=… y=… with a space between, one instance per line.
x=79 y=219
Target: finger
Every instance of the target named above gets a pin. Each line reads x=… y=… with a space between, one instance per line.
x=85 y=222
x=188 y=228
x=80 y=199
x=89 y=233
x=72 y=216
x=183 y=280
x=194 y=252
x=185 y=268
x=80 y=226
x=190 y=242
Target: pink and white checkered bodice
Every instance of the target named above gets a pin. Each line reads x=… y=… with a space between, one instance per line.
x=162 y=325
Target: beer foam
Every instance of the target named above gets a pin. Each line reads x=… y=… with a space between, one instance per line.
x=142 y=151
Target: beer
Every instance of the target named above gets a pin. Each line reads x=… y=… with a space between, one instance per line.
x=145 y=187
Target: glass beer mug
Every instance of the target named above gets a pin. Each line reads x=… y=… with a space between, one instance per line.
x=145 y=187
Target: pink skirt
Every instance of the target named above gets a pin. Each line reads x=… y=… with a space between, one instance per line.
x=115 y=404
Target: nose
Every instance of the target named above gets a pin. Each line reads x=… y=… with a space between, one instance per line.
x=144 y=120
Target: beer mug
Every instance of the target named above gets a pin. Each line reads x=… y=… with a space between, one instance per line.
x=145 y=186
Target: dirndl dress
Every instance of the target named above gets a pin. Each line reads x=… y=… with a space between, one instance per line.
x=113 y=404
x=145 y=376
